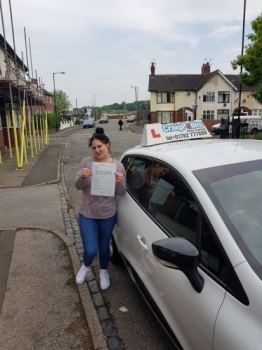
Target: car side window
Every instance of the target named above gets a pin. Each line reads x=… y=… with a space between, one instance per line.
x=172 y=203
x=137 y=174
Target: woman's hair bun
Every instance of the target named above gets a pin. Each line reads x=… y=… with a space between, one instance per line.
x=99 y=131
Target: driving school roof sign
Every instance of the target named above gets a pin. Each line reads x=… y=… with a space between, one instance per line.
x=161 y=133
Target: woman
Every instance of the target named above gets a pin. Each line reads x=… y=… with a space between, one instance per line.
x=97 y=214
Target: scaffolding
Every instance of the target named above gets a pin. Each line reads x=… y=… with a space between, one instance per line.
x=20 y=95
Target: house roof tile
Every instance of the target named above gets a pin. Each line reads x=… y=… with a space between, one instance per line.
x=187 y=82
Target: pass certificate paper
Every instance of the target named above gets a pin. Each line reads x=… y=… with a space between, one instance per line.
x=103 y=180
x=161 y=192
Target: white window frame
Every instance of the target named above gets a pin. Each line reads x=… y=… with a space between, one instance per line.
x=208 y=96
x=208 y=115
x=257 y=112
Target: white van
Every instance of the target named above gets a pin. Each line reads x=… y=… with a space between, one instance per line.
x=254 y=123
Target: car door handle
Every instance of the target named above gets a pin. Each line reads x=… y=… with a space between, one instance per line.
x=141 y=242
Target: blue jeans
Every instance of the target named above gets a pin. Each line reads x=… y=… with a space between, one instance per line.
x=96 y=234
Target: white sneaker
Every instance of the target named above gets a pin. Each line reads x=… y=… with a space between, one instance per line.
x=81 y=275
x=104 y=279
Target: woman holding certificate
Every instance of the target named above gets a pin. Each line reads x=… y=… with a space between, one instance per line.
x=101 y=179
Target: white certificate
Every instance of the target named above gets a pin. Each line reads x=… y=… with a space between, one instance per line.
x=103 y=180
x=161 y=192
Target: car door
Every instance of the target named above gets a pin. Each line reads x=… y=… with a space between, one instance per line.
x=130 y=213
x=190 y=314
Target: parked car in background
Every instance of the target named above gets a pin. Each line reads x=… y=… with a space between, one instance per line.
x=194 y=248
x=103 y=119
x=131 y=118
x=216 y=129
x=89 y=123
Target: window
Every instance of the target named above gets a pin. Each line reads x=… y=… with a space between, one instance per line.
x=137 y=177
x=164 y=117
x=223 y=97
x=172 y=204
x=164 y=97
x=257 y=112
x=222 y=113
x=208 y=96
x=209 y=115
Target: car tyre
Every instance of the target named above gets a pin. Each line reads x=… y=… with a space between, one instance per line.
x=254 y=131
x=115 y=257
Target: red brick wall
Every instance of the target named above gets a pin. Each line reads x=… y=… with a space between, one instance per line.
x=12 y=138
x=210 y=123
x=2 y=143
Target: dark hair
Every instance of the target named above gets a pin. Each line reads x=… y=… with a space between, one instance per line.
x=99 y=135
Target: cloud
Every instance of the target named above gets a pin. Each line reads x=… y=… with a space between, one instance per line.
x=107 y=46
x=224 y=32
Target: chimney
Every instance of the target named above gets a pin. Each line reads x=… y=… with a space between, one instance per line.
x=205 y=68
x=152 y=69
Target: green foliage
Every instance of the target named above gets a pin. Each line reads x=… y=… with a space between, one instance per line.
x=53 y=120
x=117 y=108
x=258 y=136
x=62 y=101
x=251 y=61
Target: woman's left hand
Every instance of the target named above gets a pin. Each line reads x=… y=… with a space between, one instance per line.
x=119 y=178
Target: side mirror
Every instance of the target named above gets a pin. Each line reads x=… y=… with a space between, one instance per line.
x=178 y=253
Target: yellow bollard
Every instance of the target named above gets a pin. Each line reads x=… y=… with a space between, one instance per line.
x=34 y=135
x=16 y=140
x=1 y=157
x=30 y=137
x=37 y=133
x=9 y=138
x=42 y=132
x=23 y=145
x=47 y=130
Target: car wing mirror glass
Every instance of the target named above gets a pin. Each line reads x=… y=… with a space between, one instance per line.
x=178 y=253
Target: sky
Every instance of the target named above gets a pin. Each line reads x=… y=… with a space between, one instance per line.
x=106 y=46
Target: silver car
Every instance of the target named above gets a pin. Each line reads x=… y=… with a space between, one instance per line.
x=89 y=123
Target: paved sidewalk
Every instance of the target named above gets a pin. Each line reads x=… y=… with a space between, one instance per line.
x=41 y=306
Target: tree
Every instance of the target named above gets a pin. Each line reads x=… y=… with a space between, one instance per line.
x=251 y=61
x=62 y=102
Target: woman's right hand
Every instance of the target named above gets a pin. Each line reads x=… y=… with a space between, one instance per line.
x=86 y=173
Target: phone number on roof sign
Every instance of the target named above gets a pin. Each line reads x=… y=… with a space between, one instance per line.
x=182 y=126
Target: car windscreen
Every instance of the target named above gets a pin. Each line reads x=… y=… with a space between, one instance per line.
x=235 y=190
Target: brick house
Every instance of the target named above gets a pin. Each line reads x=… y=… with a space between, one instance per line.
x=47 y=104
x=15 y=83
x=209 y=96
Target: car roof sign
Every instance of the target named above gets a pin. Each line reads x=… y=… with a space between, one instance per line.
x=154 y=134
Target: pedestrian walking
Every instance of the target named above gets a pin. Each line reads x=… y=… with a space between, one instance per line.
x=120 y=123
x=97 y=214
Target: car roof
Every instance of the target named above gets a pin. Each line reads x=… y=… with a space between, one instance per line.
x=201 y=154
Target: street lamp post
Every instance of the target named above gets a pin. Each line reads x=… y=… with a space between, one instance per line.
x=55 y=95
x=241 y=69
x=136 y=95
x=95 y=101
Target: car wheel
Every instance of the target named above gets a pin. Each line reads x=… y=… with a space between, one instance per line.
x=115 y=257
x=254 y=131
